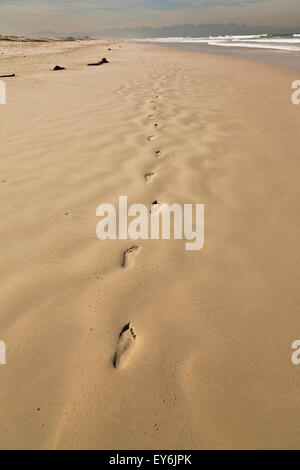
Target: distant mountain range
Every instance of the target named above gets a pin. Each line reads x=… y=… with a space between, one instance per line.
x=183 y=30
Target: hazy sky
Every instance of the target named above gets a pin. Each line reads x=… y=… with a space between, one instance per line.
x=17 y=16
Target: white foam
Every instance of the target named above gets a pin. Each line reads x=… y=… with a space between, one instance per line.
x=254 y=41
x=256 y=46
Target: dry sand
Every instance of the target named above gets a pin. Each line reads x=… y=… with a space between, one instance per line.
x=208 y=333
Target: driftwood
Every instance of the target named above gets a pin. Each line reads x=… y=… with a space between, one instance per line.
x=7 y=76
x=57 y=67
x=103 y=61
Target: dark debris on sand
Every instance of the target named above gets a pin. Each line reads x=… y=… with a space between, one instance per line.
x=96 y=64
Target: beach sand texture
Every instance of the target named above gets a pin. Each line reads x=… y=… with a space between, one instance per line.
x=174 y=349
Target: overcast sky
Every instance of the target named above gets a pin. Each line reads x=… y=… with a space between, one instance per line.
x=63 y=16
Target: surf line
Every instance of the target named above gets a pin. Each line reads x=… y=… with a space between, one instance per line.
x=154 y=224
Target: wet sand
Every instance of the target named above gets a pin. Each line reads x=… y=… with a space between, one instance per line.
x=286 y=59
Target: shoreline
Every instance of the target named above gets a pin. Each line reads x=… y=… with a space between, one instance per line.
x=283 y=59
x=209 y=332
x=37 y=46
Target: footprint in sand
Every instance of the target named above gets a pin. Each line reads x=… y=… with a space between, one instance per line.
x=126 y=343
x=151 y=116
x=151 y=137
x=148 y=177
x=157 y=153
x=128 y=255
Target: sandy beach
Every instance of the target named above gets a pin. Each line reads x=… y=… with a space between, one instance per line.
x=211 y=330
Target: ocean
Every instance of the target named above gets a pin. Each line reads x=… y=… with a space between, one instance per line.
x=277 y=49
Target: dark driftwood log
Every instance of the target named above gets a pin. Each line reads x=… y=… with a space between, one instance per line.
x=57 y=67
x=7 y=76
x=103 y=61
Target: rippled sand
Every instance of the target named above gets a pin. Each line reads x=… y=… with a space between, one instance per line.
x=206 y=335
